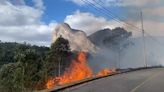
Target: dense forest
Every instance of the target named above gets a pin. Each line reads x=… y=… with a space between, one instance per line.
x=25 y=67
x=9 y=50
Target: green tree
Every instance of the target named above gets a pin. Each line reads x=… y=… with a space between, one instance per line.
x=11 y=79
x=58 y=56
x=9 y=49
x=23 y=67
x=31 y=63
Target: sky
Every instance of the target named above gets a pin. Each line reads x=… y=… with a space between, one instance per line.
x=33 y=21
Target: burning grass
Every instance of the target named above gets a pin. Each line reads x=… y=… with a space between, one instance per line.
x=78 y=70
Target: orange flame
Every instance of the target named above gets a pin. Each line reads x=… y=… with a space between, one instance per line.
x=78 y=70
x=50 y=83
x=104 y=72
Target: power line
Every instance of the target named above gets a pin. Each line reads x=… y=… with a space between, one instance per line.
x=107 y=12
x=115 y=16
x=104 y=11
x=98 y=9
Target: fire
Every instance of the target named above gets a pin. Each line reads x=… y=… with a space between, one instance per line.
x=50 y=83
x=104 y=72
x=78 y=70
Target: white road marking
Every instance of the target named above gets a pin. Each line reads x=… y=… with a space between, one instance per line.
x=133 y=90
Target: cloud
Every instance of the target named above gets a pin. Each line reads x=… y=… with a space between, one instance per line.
x=79 y=2
x=105 y=2
x=134 y=3
x=20 y=22
x=130 y=9
x=17 y=2
x=39 y=4
x=12 y=15
x=88 y=22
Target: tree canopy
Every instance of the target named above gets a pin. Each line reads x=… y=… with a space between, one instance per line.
x=25 y=67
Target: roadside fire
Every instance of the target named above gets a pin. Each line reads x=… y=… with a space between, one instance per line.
x=78 y=70
x=104 y=72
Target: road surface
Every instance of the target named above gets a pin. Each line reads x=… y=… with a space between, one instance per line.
x=148 y=80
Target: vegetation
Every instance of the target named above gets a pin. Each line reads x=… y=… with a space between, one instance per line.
x=25 y=67
x=8 y=50
x=59 y=55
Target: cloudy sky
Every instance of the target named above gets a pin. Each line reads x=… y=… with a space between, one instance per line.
x=33 y=21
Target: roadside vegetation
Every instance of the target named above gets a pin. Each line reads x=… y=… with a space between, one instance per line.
x=25 y=67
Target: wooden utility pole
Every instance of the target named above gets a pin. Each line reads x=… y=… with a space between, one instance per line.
x=144 y=45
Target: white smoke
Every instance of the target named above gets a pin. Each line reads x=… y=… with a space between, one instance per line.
x=130 y=57
x=78 y=39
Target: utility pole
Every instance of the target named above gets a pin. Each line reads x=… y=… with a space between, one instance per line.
x=59 y=66
x=143 y=37
x=119 y=56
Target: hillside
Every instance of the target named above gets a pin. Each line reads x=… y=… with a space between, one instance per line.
x=9 y=49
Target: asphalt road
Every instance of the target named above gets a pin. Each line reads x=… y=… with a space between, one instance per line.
x=148 y=80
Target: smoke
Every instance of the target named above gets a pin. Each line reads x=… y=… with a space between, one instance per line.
x=131 y=56
x=103 y=58
x=77 y=39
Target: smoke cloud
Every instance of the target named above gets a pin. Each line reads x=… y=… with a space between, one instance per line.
x=78 y=39
x=131 y=56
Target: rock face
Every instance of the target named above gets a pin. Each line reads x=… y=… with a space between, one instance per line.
x=98 y=37
x=78 y=39
x=109 y=38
